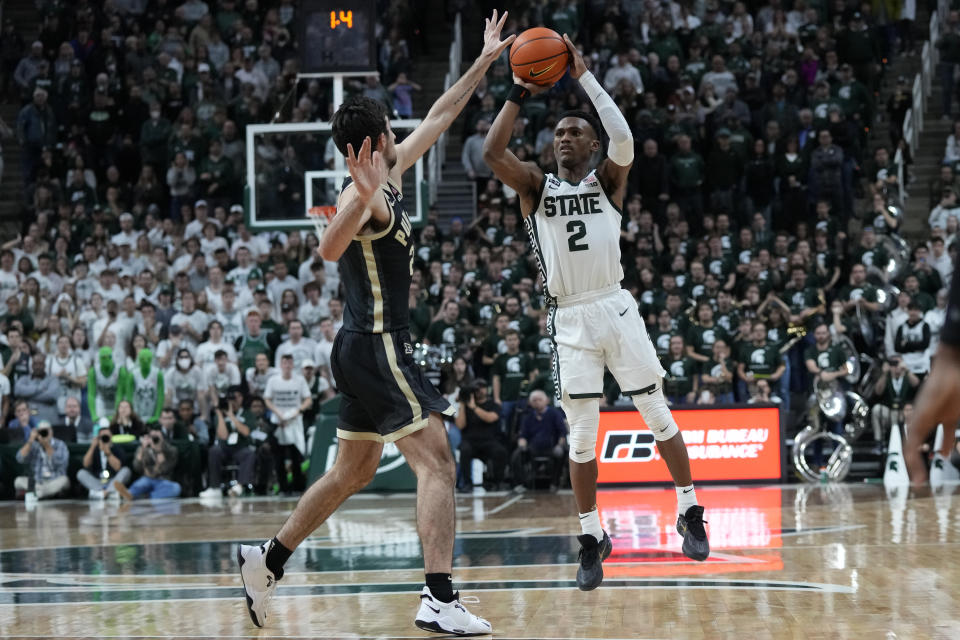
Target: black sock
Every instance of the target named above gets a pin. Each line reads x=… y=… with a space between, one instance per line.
x=441 y=586
x=277 y=556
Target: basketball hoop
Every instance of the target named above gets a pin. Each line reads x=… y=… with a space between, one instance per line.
x=321 y=216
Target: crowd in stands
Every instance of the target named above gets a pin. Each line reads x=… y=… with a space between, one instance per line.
x=757 y=230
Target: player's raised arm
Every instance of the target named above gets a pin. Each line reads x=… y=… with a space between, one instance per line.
x=612 y=173
x=446 y=109
x=357 y=203
x=522 y=177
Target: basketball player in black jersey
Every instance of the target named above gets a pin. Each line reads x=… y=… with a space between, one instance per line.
x=939 y=398
x=385 y=396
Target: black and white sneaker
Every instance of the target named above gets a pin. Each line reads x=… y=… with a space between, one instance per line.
x=449 y=617
x=690 y=526
x=259 y=583
x=592 y=555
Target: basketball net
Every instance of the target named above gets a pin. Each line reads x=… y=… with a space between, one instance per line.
x=321 y=217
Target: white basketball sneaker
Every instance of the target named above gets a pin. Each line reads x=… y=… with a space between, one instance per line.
x=259 y=582
x=449 y=617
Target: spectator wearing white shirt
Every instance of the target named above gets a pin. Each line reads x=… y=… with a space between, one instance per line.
x=9 y=279
x=288 y=396
x=719 y=76
x=336 y=313
x=947 y=208
x=126 y=264
x=622 y=70
x=206 y=351
x=230 y=316
x=940 y=260
x=127 y=233
x=147 y=288
x=935 y=319
x=313 y=310
x=108 y=286
x=214 y=290
x=210 y=241
x=256 y=245
x=220 y=375
x=185 y=261
x=325 y=348
x=249 y=74
x=194 y=228
x=299 y=347
x=282 y=280
x=245 y=264
x=951 y=154
x=896 y=317
x=48 y=279
x=169 y=347
x=258 y=375
x=191 y=320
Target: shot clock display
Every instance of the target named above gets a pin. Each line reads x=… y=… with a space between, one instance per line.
x=337 y=35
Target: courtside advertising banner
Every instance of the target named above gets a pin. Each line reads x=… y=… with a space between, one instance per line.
x=729 y=444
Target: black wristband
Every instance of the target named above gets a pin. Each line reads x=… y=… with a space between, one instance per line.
x=518 y=94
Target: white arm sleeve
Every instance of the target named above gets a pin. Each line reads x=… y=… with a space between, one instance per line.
x=621 y=139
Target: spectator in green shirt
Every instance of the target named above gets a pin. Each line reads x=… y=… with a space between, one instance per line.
x=716 y=374
x=512 y=371
x=681 y=384
x=758 y=360
x=702 y=336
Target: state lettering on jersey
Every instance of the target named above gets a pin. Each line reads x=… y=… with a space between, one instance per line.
x=577 y=204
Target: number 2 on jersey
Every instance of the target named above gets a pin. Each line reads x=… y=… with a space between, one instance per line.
x=578 y=231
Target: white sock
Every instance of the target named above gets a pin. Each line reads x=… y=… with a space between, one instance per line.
x=686 y=498
x=590 y=523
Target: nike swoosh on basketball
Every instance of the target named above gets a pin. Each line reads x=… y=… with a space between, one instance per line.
x=537 y=74
x=624 y=311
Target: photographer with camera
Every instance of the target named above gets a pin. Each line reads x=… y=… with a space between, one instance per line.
x=895 y=389
x=155 y=459
x=478 y=418
x=233 y=445
x=47 y=458
x=103 y=468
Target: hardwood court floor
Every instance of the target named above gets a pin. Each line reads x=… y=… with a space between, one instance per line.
x=844 y=561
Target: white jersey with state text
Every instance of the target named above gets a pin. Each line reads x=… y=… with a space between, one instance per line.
x=575 y=232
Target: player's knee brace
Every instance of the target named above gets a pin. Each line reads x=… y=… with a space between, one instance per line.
x=653 y=407
x=583 y=416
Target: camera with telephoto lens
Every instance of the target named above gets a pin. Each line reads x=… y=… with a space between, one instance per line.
x=223 y=404
x=155 y=439
x=43 y=433
x=105 y=438
x=466 y=393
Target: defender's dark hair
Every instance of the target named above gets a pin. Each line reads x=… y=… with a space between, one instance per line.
x=356 y=119
x=589 y=118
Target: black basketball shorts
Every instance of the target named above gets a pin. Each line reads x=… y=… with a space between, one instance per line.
x=385 y=395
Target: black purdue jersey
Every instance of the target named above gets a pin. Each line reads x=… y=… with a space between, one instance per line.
x=376 y=270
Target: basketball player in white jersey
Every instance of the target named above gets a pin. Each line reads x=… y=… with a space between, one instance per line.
x=573 y=219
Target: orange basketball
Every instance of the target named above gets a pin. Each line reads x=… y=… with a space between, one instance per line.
x=539 y=55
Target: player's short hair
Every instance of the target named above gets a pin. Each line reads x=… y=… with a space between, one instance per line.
x=358 y=118
x=589 y=118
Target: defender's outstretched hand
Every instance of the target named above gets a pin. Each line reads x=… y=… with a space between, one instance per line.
x=577 y=66
x=368 y=170
x=492 y=46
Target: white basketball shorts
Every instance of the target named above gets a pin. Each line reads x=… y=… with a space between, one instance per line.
x=597 y=330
